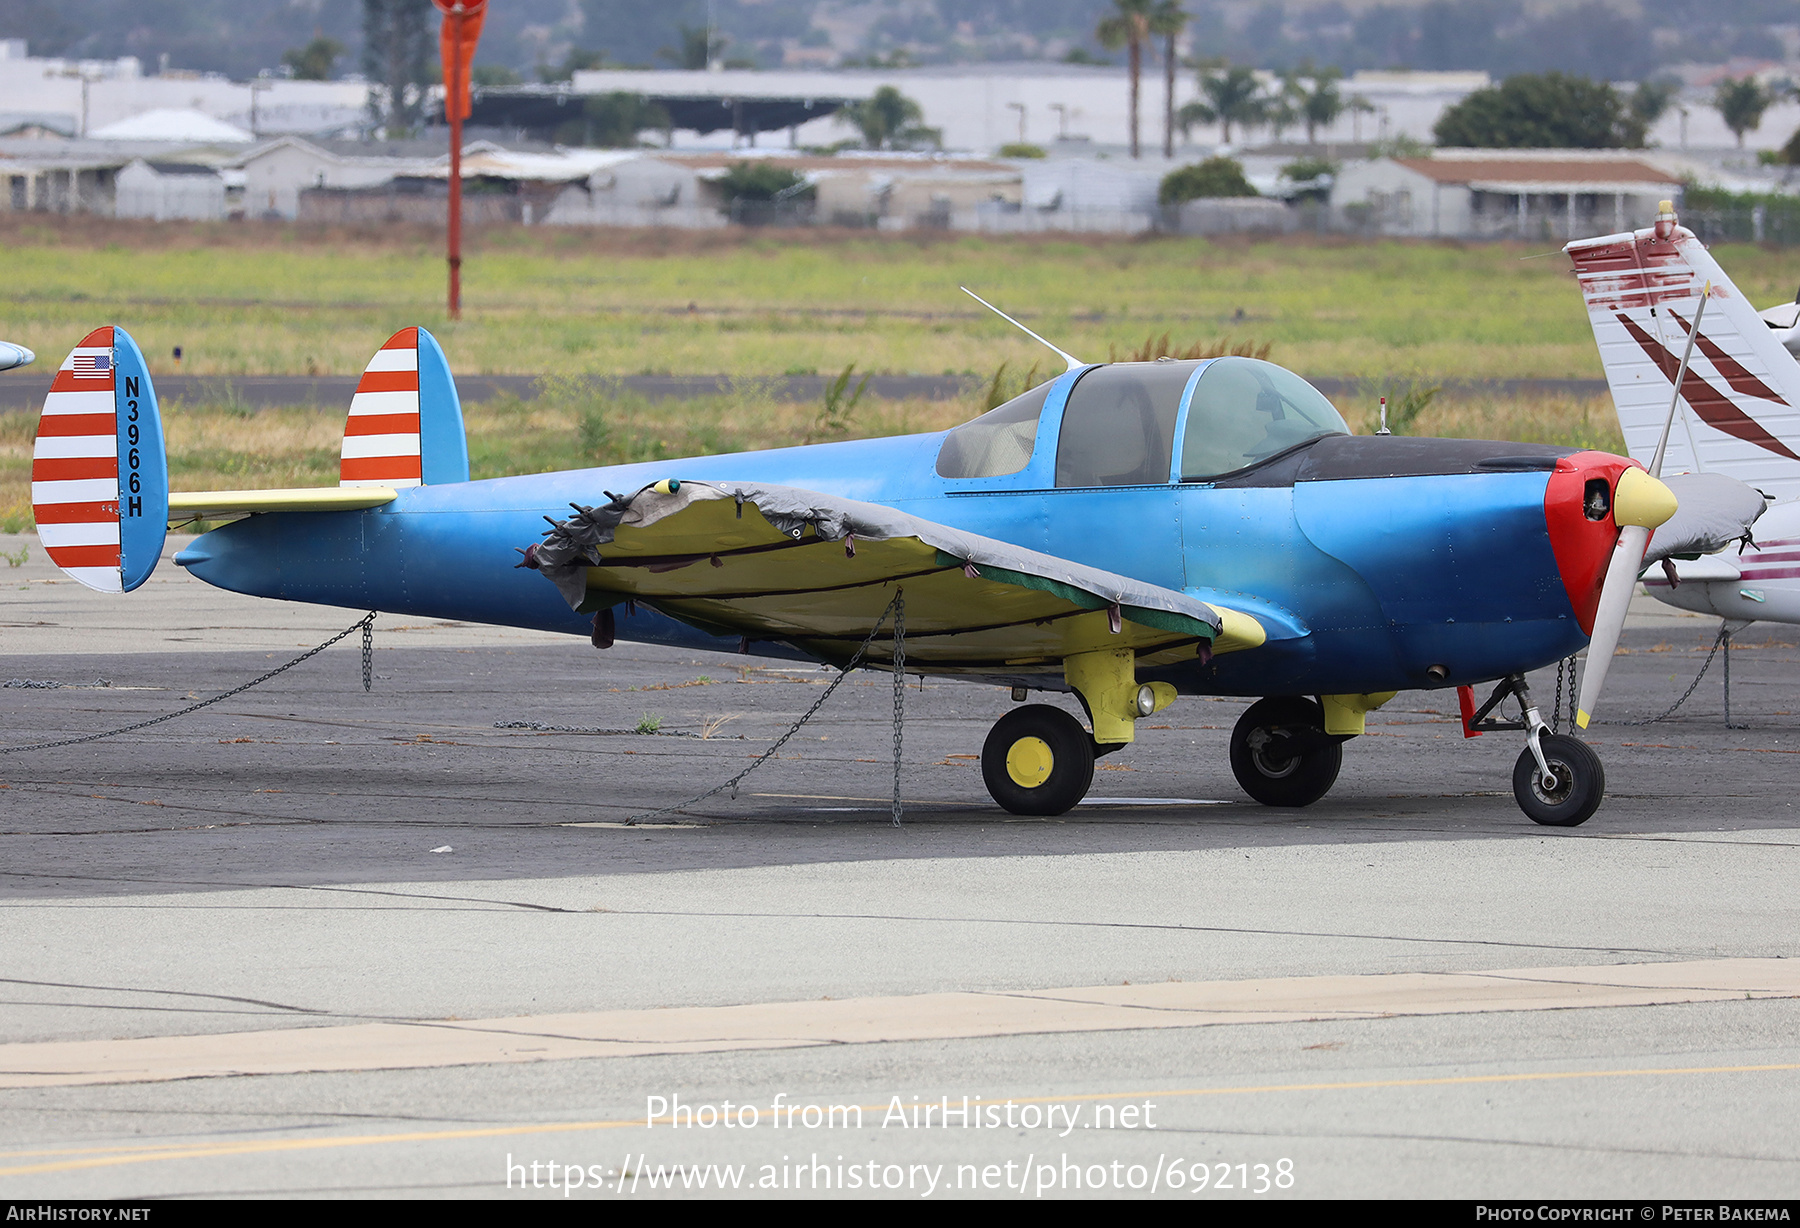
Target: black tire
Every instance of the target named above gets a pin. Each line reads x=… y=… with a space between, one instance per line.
x=1580 y=782
x=1048 y=778
x=1295 y=725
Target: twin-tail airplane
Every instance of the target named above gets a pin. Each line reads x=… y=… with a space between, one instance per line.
x=1128 y=532
x=1740 y=407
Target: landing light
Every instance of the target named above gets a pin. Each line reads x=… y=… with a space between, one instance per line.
x=1146 y=700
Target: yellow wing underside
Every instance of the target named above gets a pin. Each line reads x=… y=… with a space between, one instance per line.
x=199 y=504
x=730 y=571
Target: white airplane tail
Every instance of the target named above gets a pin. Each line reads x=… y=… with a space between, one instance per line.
x=1740 y=406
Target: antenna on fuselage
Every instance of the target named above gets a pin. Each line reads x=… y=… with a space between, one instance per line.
x=1066 y=357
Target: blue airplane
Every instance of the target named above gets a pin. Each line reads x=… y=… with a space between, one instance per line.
x=1128 y=532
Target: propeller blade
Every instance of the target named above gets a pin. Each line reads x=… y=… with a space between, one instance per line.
x=1640 y=504
x=1609 y=619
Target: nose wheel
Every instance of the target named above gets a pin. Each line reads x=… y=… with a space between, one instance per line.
x=1038 y=760
x=1574 y=790
x=1558 y=780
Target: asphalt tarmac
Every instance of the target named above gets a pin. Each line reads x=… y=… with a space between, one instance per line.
x=316 y=941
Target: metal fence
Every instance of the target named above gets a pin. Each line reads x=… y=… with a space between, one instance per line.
x=1777 y=222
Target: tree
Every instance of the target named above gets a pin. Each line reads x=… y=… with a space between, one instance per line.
x=1129 y=27
x=398 y=41
x=1213 y=177
x=1232 y=97
x=1551 y=111
x=578 y=60
x=1167 y=22
x=1741 y=104
x=313 y=62
x=699 y=46
x=759 y=181
x=1652 y=98
x=1320 y=104
x=889 y=120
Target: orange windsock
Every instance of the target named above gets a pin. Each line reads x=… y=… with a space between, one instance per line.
x=457 y=43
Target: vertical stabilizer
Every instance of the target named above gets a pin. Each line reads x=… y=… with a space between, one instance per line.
x=99 y=476
x=1740 y=398
x=405 y=426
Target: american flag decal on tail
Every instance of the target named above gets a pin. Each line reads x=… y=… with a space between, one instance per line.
x=381 y=438
x=75 y=467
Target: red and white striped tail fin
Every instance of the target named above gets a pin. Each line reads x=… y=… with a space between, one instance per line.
x=381 y=438
x=1740 y=398
x=75 y=467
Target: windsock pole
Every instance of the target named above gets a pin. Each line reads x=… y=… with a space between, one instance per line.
x=453 y=105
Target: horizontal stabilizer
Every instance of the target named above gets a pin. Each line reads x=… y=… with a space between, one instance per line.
x=206 y=503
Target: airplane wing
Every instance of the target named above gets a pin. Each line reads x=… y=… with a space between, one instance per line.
x=816 y=571
x=1713 y=512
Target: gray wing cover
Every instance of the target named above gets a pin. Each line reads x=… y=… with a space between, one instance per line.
x=1715 y=511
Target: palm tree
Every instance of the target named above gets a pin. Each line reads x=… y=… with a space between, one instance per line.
x=1741 y=104
x=1320 y=103
x=887 y=119
x=1167 y=22
x=1129 y=26
x=1232 y=96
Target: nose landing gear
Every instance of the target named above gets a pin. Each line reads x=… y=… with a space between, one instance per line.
x=1558 y=780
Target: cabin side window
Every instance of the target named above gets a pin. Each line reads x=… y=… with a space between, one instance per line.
x=1244 y=411
x=997 y=443
x=1119 y=427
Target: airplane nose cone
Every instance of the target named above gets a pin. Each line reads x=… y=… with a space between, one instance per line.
x=1640 y=499
x=15 y=356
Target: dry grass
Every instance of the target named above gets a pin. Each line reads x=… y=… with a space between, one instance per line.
x=1586 y=422
x=280 y=299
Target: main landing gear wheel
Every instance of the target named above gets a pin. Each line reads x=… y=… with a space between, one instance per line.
x=1281 y=754
x=1580 y=782
x=1038 y=760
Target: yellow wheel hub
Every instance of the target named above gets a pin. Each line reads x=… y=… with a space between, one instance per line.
x=1028 y=762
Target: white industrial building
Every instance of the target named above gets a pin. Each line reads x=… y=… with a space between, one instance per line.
x=92 y=94
x=1499 y=193
x=277 y=171
x=169 y=191
x=63 y=176
x=983 y=106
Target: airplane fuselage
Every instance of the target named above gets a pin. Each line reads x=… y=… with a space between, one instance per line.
x=1417 y=563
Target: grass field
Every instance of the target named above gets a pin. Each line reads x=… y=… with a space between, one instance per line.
x=262 y=298
x=578 y=306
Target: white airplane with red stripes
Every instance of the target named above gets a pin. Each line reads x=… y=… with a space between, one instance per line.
x=1738 y=413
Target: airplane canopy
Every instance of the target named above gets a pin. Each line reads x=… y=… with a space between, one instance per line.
x=1244 y=411
x=1120 y=423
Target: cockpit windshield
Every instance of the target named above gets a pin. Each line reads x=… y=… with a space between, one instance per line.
x=1244 y=411
x=997 y=443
